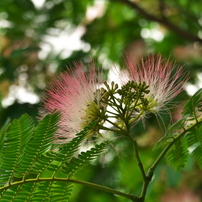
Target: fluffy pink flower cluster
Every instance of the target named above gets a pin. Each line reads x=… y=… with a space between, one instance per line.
x=165 y=81
x=72 y=93
x=79 y=98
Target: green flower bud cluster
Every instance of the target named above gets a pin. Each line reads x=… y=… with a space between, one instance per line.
x=133 y=95
x=126 y=105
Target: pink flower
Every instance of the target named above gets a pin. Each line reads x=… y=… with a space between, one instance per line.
x=164 y=80
x=75 y=94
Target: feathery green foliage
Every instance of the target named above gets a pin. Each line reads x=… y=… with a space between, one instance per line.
x=178 y=154
x=15 y=139
x=194 y=139
x=30 y=170
x=83 y=159
x=186 y=134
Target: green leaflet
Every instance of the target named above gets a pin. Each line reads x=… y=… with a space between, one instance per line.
x=3 y=135
x=40 y=191
x=194 y=140
x=15 y=138
x=193 y=107
x=30 y=171
x=178 y=154
x=51 y=191
x=40 y=141
x=172 y=132
x=185 y=134
x=52 y=161
x=83 y=159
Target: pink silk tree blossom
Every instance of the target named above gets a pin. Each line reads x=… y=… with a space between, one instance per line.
x=74 y=94
x=165 y=81
x=81 y=99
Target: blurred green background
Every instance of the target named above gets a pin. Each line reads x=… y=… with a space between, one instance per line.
x=40 y=38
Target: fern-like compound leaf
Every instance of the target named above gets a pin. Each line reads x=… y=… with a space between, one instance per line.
x=178 y=154
x=38 y=191
x=194 y=139
x=186 y=134
x=83 y=159
x=12 y=146
x=193 y=107
x=40 y=141
x=172 y=132
x=30 y=170
x=53 y=161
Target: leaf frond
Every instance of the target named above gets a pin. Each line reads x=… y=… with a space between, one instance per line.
x=52 y=161
x=15 y=137
x=178 y=154
x=41 y=140
x=83 y=159
x=186 y=134
x=29 y=167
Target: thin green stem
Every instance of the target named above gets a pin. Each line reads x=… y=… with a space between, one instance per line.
x=89 y=184
x=115 y=125
x=152 y=168
x=137 y=156
x=113 y=130
x=140 y=165
x=146 y=180
x=117 y=107
x=158 y=159
x=113 y=114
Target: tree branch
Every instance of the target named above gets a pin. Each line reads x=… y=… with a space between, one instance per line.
x=89 y=184
x=162 y=20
